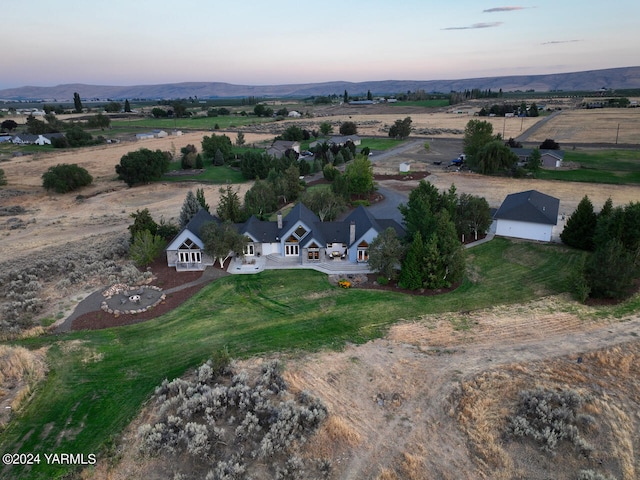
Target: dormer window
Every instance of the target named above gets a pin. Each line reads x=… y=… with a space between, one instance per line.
x=300 y=232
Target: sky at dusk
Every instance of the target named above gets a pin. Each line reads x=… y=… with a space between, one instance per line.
x=264 y=42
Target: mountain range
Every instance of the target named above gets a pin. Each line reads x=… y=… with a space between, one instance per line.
x=609 y=79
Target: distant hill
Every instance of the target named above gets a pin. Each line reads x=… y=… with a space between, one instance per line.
x=612 y=78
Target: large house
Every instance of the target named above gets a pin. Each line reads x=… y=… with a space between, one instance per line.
x=299 y=237
x=530 y=215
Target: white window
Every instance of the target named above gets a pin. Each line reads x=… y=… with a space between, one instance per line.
x=249 y=250
x=189 y=256
x=291 y=250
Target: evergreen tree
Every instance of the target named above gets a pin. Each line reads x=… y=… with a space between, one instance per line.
x=142 y=221
x=201 y=200
x=610 y=271
x=580 y=227
x=411 y=271
x=127 y=106
x=190 y=207
x=229 y=207
x=450 y=260
x=218 y=158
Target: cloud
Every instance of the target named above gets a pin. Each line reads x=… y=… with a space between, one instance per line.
x=556 y=42
x=476 y=25
x=503 y=9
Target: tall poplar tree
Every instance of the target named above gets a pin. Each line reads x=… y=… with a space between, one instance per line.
x=77 y=103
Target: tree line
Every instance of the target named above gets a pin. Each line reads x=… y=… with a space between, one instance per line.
x=611 y=241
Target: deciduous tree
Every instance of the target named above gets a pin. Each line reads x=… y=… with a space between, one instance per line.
x=142 y=166
x=222 y=240
x=348 y=128
x=260 y=200
x=326 y=128
x=401 y=128
x=473 y=216
x=385 y=253
x=494 y=157
x=65 y=178
x=477 y=134
x=324 y=203
x=359 y=176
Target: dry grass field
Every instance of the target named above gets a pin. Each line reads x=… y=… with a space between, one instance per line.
x=611 y=126
x=429 y=401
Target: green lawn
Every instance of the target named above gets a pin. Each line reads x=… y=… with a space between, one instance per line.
x=606 y=166
x=99 y=380
x=212 y=174
x=380 y=143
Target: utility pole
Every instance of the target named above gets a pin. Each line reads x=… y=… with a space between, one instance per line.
x=617 y=133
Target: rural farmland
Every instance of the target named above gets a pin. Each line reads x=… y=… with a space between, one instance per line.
x=440 y=375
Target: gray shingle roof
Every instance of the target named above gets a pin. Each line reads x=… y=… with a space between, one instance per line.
x=530 y=206
x=199 y=219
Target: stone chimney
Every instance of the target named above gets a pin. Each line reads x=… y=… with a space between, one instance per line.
x=279 y=220
x=352 y=233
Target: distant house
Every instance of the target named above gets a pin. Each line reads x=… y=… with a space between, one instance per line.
x=24 y=139
x=548 y=158
x=47 y=138
x=294 y=114
x=144 y=136
x=342 y=140
x=279 y=148
x=551 y=158
x=530 y=215
x=299 y=239
x=159 y=133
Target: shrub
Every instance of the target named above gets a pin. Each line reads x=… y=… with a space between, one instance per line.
x=3 y=178
x=238 y=420
x=591 y=475
x=65 y=178
x=549 y=418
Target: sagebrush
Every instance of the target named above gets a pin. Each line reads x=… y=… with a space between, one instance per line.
x=233 y=426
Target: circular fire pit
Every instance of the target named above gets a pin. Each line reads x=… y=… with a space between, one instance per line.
x=121 y=299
